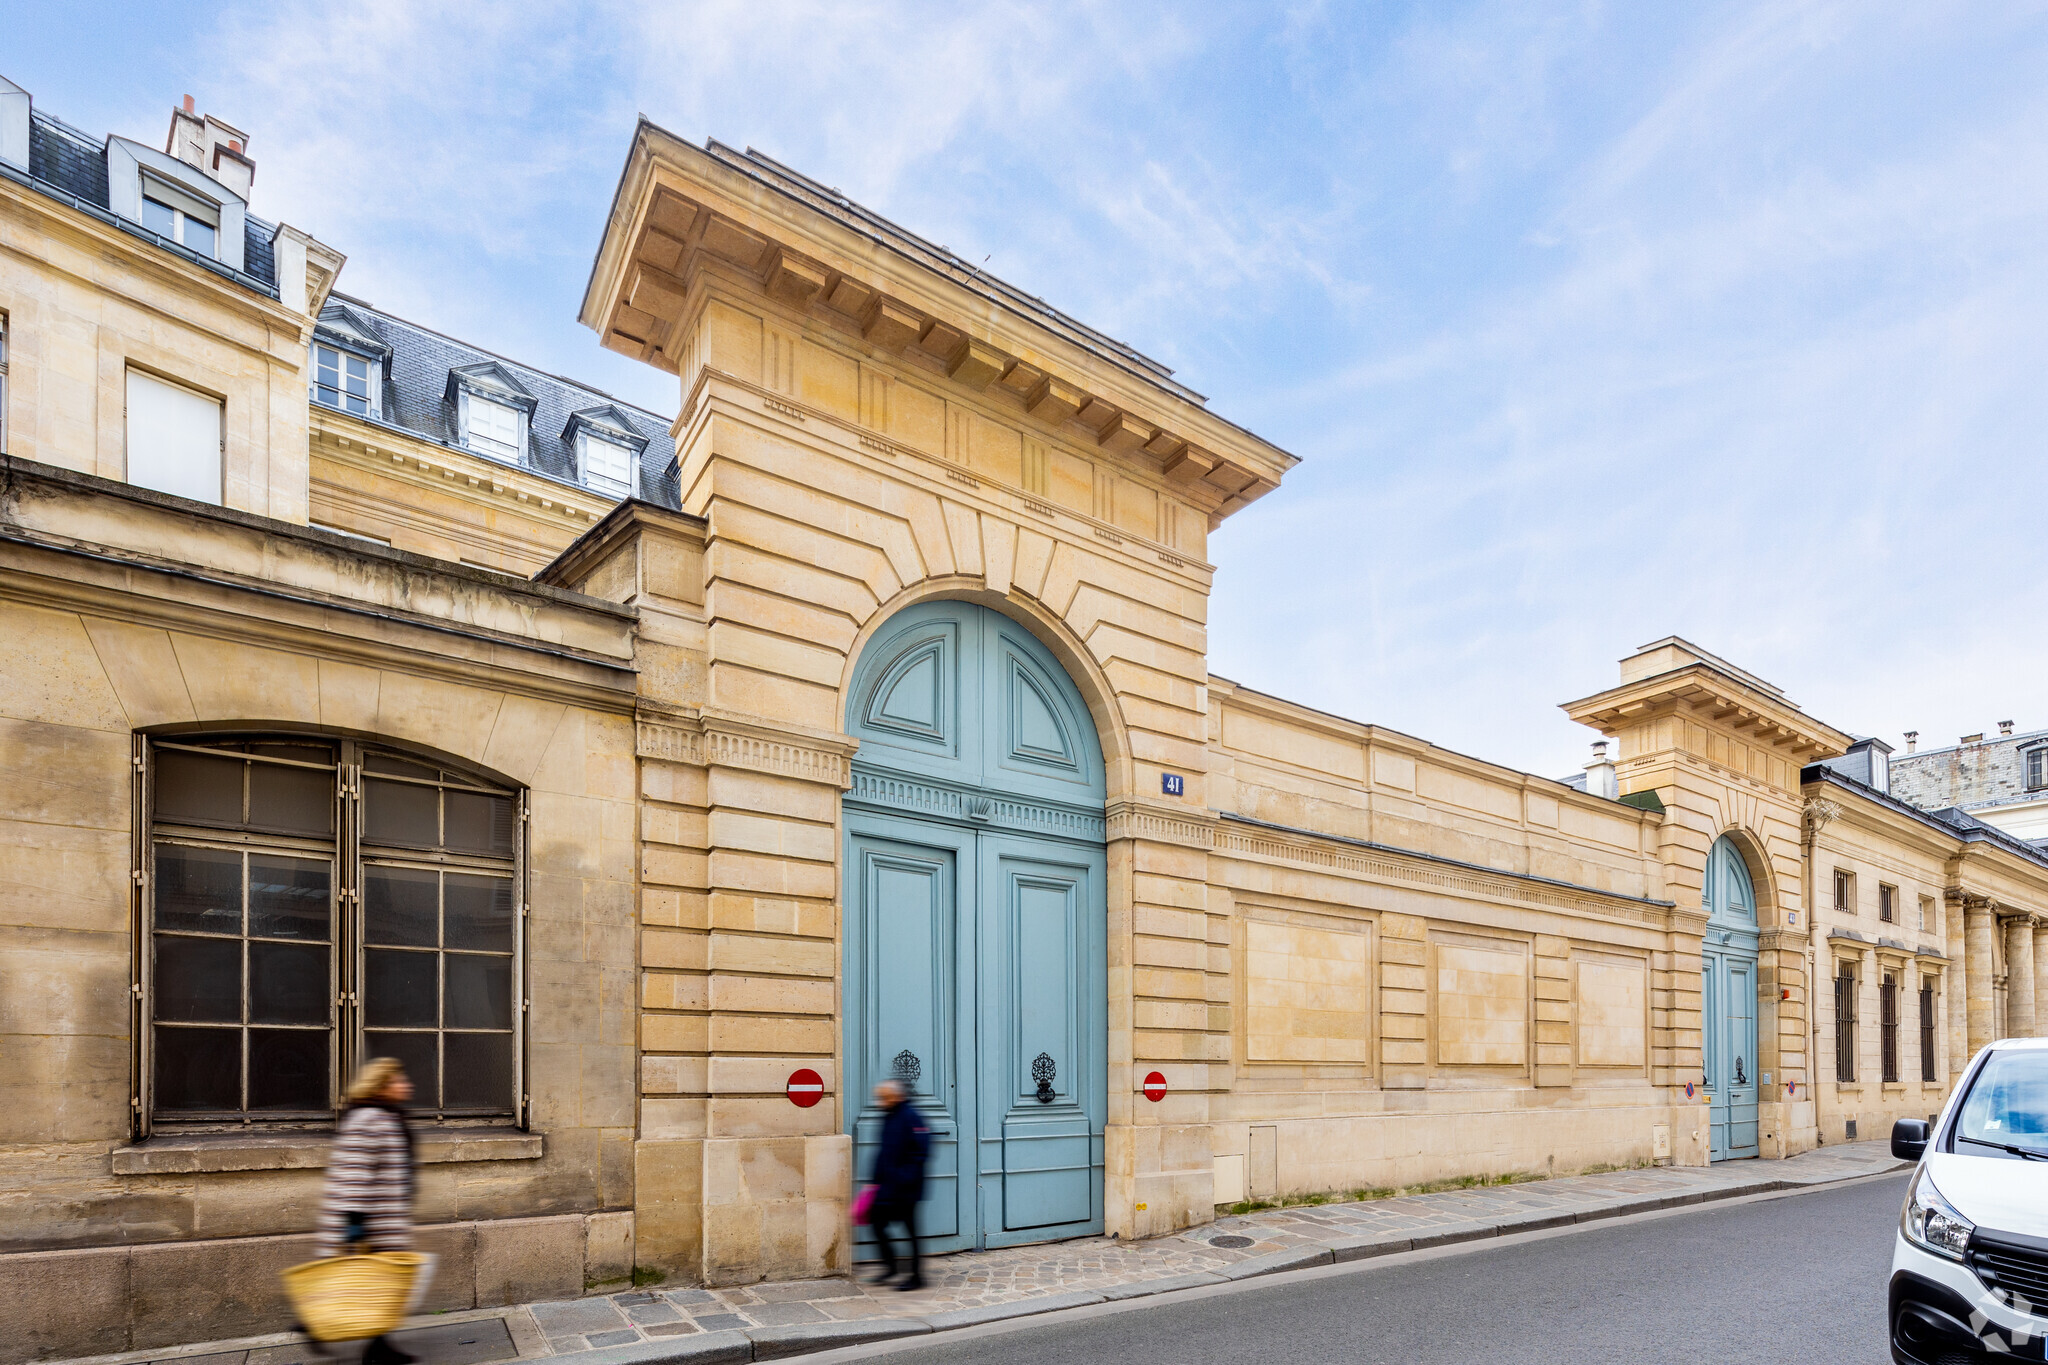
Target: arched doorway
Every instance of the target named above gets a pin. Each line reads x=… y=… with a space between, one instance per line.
x=976 y=921
x=1728 y=1003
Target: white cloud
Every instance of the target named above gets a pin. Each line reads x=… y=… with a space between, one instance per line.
x=1593 y=322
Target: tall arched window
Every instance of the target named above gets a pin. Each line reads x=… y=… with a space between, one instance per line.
x=312 y=902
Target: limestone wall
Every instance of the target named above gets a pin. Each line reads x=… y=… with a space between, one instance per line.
x=1431 y=966
x=155 y=628
x=85 y=302
x=1878 y=847
x=436 y=500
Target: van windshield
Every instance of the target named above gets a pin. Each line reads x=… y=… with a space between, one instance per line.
x=2007 y=1107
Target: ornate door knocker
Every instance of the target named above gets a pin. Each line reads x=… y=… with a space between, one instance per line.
x=907 y=1068
x=1042 y=1071
x=1740 y=1079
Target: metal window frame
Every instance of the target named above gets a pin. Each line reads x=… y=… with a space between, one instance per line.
x=345 y=851
x=1845 y=1022
x=1888 y=1028
x=1929 y=1070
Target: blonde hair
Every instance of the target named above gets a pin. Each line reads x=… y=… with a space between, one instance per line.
x=375 y=1078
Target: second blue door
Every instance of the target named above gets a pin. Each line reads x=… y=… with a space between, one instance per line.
x=1728 y=995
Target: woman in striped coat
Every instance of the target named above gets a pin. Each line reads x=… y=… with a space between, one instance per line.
x=367 y=1205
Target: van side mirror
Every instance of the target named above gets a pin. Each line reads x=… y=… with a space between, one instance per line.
x=1909 y=1139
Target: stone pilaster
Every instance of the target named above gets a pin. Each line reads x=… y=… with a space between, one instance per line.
x=2019 y=971
x=1980 y=950
x=2040 y=975
x=1956 y=985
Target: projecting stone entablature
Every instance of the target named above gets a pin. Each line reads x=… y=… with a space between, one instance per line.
x=705 y=214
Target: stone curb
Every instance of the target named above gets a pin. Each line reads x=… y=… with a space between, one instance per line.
x=775 y=1343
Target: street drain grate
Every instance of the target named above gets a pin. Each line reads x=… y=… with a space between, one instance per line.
x=1232 y=1242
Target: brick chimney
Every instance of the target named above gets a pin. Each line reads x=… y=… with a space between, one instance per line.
x=219 y=149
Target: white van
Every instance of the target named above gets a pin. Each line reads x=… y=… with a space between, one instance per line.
x=1970 y=1268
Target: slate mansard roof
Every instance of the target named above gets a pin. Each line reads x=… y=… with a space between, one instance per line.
x=67 y=164
x=418 y=396
x=70 y=166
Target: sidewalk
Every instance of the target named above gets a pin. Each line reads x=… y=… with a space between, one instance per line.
x=768 y=1321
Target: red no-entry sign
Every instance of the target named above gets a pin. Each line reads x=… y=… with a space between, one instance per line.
x=1155 y=1086
x=806 y=1087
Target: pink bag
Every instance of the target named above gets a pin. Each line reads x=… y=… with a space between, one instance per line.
x=863 y=1205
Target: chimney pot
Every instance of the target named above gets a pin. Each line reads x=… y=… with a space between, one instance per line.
x=2005 y=727
x=1912 y=740
x=188 y=104
x=1599 y=751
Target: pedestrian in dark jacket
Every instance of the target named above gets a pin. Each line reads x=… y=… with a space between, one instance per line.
x=898 y=1178
x=367 y=1204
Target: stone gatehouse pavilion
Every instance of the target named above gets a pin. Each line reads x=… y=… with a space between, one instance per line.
x=364 y=692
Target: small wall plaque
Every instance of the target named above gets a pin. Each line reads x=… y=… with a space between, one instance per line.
x=1172 y=784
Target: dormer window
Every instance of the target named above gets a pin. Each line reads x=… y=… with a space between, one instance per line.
x=491 y=428
x=492 y=410
x=608 y=448
x=607 y=466
x=345 y=381
x=2037 y=768
x=183 y=218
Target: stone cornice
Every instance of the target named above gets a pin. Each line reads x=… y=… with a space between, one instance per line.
x=377 y=448
x=679 y=208
x=1238 y=835
x=715 y=739
x=883 y=790
x=1128 y=818
x=1714 y=698
x=628 y=516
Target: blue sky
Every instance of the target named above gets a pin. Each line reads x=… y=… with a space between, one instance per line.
x=1592 y=323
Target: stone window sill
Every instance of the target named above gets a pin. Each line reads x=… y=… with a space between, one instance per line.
x=186 y=1153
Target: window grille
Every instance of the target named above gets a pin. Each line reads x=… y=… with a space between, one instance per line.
x=312 y=903
x=1887 y=903
x=1845 y=1024
x=1888 y=1026
x=1927 y=1058
x=1845 y=891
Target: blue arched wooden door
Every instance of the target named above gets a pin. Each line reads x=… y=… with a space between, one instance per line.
x=1728 y=1003
x=976 y=921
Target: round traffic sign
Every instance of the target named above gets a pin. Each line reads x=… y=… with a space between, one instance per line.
x=806 y=1087
x=1155 y=1086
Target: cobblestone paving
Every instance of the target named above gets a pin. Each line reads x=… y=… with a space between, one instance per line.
x=1101 y=1267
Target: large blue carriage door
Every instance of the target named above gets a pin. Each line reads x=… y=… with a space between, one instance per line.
x=976 y=906
x=1728 y=995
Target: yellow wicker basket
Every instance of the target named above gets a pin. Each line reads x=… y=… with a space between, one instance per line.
x=342 y=1298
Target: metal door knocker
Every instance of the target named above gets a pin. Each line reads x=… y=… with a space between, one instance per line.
x=1740 y=1079
x=1042 y=1071
x=908 y=1068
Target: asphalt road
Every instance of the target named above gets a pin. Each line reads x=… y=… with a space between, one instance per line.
x=1800 y=1278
